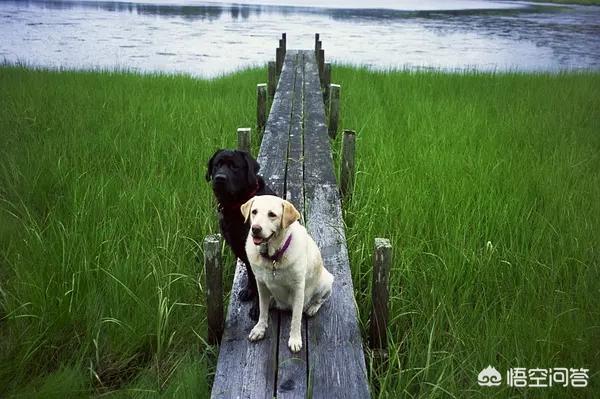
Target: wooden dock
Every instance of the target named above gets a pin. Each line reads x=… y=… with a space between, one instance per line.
x=296 y=161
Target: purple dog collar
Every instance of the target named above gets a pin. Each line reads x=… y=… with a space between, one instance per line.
x=279 y=253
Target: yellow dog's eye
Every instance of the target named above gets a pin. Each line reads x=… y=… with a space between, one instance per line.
x=272 y=215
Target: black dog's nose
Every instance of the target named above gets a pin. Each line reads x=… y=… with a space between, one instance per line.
x=220 y=178
x=256 y=229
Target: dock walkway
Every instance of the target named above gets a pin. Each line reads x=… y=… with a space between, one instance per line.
x=296 y=162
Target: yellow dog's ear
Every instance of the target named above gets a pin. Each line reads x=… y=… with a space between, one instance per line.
x=290 y=214
x=246 y=209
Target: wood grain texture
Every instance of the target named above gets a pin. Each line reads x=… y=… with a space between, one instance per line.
x=291 y=373
x=335 y=353
x=382 y=261
x=317 y=155
x=273 y=150
x=213 y=273
x=248 y=369
x=245 y=370
x=244 y=139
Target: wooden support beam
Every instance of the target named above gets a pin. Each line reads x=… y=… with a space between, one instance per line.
x=382 y=261
x=279 y=56
x=272 y=80
x=284 y=41
x=316 y=42
x=213 y=274
x=347 y=164
x=326 y=82
x=321 y=64
x=261 y=107
x=244 y=142
x=334 y=109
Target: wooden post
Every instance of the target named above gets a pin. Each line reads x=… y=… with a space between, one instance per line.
x=321 y=65
x=334 y=109
x=326 y=82
x=244 y=139
x=213 y=272
x=316 y=42
x=284 y=41
x=272 y=79
x=279 y=59
x=261 y=106
x=317 y=49
x=347 y=164
x=382 y=261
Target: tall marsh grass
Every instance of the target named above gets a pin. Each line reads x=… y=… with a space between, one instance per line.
x=103 y=209
x=487 y=185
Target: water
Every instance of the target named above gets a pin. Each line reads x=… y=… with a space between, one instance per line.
x=209 y=39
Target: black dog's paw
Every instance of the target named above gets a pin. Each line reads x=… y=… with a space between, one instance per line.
x=247 y=294
x=254 y=311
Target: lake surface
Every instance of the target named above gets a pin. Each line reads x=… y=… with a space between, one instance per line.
x=208 y=39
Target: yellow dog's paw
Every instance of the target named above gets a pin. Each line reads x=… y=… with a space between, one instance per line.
x=258 y=332
x=295 y=344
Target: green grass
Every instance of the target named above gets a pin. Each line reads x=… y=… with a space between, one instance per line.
x=103 y=206
x=488 y=187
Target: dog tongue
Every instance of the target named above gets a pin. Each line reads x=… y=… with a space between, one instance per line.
x=257 y=240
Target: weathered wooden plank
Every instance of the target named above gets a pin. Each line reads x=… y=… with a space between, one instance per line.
x=317 y=161
x=335 y=353
x=292 y=367
x=291 y=373
x=245 y=369
x=248 y=369
x=273 y=150
x=295 y=152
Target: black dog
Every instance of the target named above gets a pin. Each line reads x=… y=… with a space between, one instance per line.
x=234 y=181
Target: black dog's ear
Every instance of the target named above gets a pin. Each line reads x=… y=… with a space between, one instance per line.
x=209 y=168
x=253 y=167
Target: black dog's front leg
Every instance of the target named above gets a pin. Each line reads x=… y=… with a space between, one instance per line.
x=249 y=293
